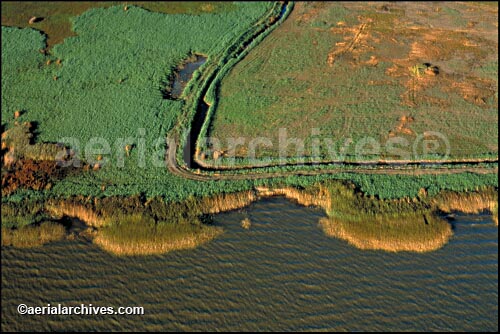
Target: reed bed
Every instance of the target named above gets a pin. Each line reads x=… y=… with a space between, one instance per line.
x=59 y=209
x=471 y=203
x=227 y=202
x=410 y=234
x=33 y=235
x=138 y=236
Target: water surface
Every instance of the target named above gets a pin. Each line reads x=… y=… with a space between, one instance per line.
x=281 y=274
x=184 y=74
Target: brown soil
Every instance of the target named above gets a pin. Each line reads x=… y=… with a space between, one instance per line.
x=31 y=174
x=442 y=45
x=348 y=45
x=402 y=126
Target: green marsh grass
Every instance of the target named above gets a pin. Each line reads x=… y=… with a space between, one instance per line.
x=115 y=110
x=57 y=16
x=286 y=82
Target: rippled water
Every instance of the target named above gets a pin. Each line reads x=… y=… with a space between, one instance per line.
x=281 y=274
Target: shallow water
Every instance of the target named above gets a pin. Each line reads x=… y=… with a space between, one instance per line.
x=282 y=273
x=184 y=74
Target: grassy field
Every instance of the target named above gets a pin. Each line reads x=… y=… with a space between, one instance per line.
x=106 y=80
x=55 y=17
x=352 y=71
x=108 y=85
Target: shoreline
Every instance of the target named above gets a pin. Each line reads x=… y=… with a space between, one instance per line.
x=190 y=212
x=135 y=226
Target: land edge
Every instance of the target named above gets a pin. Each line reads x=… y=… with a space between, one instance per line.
x=262 y=175
x=339 y=226
x=205 y=92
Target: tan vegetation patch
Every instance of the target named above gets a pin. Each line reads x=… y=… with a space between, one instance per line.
x=131 y=238
x=320 y=197
x=59 y=209
x=33 y=236
x=474 y=90
x=373 y=61
x=226 y=202
x=403 y=126
x=207 y=8
x=470 y=202
x=246 y=223
x=415 y=234
x=441 y=45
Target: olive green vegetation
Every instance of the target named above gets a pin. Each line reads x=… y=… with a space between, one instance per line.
x=108 y=85
x=33 y=235
x=56 y=16
x=306 y=75
x=415 y=224
x=17 y=215
x=139 y=226
x=137 y=235
x=19 y=139
x=107 y=82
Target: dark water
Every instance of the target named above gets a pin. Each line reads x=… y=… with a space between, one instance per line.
x=281 y=274
x=184 y=74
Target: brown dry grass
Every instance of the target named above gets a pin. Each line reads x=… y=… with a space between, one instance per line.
x=348 y=46
x=436 y=44
x=61 y=208
x=470 y=203
x=127 y=240
x=33 y=236
x=405 y=234
x=320 y=197
x=227 y=202
x=403 y=126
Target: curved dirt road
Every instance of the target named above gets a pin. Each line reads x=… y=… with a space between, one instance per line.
x=389 y=168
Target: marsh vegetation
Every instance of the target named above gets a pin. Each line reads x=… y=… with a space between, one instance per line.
x=33 y=235
x=139 y=226
x=352 y=71
x=59 y=99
